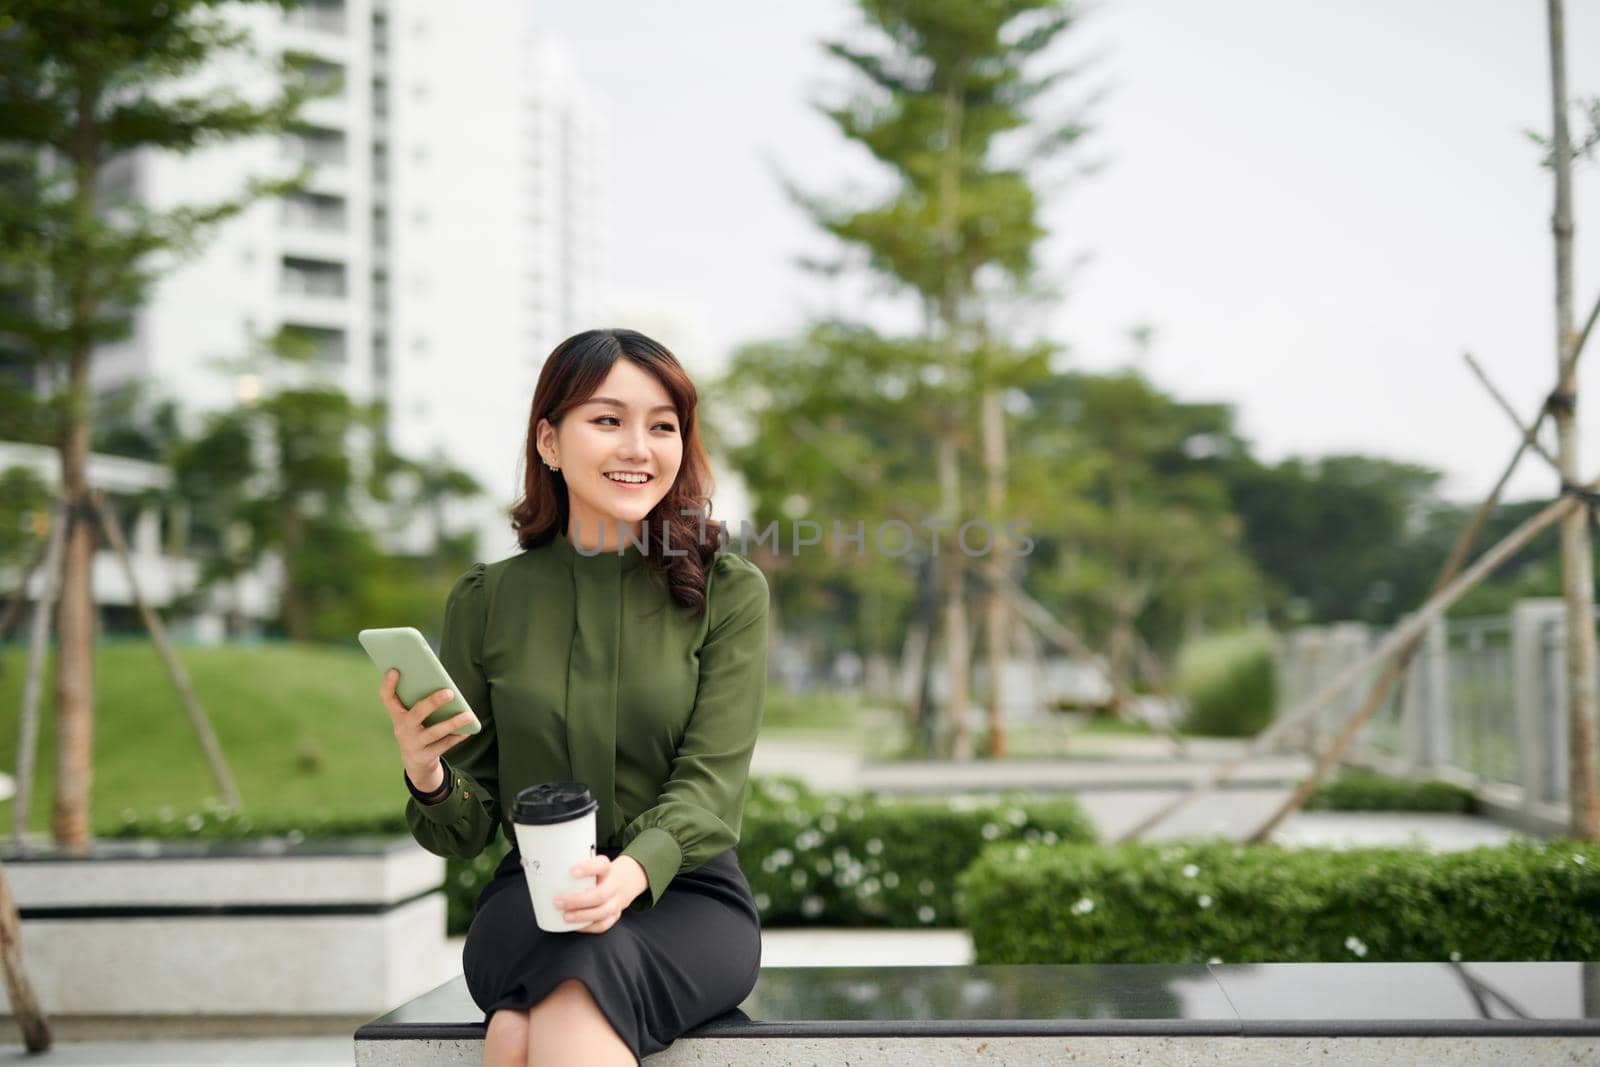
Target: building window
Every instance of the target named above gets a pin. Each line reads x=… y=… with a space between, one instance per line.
x=316 y=144
x=314 y=211
x=324 y=73
x=312 y=277
x=319 y=344
x=325 y=16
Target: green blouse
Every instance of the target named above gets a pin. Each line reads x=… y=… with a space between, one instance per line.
x=583 y=667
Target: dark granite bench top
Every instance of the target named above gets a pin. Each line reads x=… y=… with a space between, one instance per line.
x=1270 y=999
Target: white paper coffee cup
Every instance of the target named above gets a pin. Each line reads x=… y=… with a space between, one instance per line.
x=555 y=826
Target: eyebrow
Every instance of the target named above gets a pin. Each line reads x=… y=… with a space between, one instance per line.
x=619 y=404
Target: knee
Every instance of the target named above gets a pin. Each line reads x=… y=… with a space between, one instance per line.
x=571 y=992
x=507 y=1025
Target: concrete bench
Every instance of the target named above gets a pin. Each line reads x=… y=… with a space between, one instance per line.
x=140 y=934
x=1179 y=1014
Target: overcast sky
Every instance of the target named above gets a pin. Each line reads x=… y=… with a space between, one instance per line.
x=1317 y=207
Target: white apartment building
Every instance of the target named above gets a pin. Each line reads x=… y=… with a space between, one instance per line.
x=451 y=237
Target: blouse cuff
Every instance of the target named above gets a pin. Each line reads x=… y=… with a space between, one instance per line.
x=453 y=804
x=657 y=851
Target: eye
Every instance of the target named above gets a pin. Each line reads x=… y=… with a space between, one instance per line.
x=669 y=427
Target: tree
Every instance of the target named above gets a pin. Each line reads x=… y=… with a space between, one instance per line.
x=944 y=84
x=82 y=84
x=1143 y=522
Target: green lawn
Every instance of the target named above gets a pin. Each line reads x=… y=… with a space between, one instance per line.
x=301 y=726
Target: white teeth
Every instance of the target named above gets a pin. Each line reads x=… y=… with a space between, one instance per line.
x=631 y=479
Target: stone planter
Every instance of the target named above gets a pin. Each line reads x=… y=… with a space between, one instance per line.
x=231 y=929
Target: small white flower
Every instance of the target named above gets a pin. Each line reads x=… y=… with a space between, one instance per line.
x=1022 y=853
x=1083 y=907
x=1204 y=900
x=1356 y=945
x=1577 y=858
x=195 y=821
x=1455 y=957
x=295 y=837
x=129 y=815
x=890 y=880
x=811 y=907
x=798 y=879
x=1215 y=959
x=990 y=831
x=762 y=901
x=1017 y=817
x=828 y=823
x=855 y=811
x=925 y=887
x=1190 y=870
x=808 y=840
x=874 y=846
x=824 y=868
x=1050 y=837
x=868 y=888
x=926 y=914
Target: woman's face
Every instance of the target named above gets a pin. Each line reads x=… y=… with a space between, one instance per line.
x=629 y=425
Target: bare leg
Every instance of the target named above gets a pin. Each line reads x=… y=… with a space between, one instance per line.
x=506 y=1043
x=568 y=1027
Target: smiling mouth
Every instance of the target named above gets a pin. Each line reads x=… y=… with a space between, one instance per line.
x=630 y=485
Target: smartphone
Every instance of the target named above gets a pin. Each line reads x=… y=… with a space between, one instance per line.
x=421 y=674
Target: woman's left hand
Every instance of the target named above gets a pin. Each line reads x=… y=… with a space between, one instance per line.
x=616 y=886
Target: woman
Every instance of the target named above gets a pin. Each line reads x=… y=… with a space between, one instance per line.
x=639 y=671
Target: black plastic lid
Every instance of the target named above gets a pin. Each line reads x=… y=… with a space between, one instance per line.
x=552 y=802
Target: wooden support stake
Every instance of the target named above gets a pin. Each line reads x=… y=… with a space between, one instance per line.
x=175 y=671
x=1402 y=662
x=61 y=521
x=1407 y=631
x=24 y=1005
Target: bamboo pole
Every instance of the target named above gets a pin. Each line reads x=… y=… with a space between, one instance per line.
x=1407 y=631
x=1577 y=561
x=62 y=518
x=180 y=677
x=20 y=596
x=24 y=1005
x=1402 y=662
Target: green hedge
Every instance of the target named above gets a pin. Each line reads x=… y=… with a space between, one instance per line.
x=1265 y=903
x=1229 y=683
x=859 y=860
x=811 y=858
x=1367 y=791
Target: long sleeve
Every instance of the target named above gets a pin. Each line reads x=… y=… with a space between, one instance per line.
x=464 y=823
x=698 y=812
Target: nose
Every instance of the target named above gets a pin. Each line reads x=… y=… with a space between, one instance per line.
x=638 y=447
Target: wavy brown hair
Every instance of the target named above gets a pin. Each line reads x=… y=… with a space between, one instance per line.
x=574 y=373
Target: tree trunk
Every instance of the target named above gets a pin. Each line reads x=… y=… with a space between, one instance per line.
x=957 y=655
x=296 y=614
x=75 y=621
x=75 y=624
x=1577 y=563
x=996 y=617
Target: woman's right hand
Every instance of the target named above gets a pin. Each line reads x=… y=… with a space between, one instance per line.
x=421 y=745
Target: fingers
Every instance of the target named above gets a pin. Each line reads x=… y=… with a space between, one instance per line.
x=386 y=693
x=439 y=747
x=441 y=729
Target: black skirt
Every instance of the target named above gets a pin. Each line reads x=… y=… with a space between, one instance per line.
x=655 y=973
